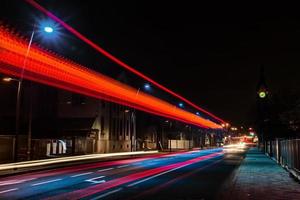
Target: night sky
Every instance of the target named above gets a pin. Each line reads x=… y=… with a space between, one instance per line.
x=209 y=54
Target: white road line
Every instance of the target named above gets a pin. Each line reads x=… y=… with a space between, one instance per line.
x=81 y=174
x=94 y=180
x=151 y=177
x=41 y=183
x=15 y=181
x=10 y=190
x=103 y=170
x=107 y=193
x=123 y=166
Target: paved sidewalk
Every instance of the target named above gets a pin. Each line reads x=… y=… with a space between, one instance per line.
x=259 y=177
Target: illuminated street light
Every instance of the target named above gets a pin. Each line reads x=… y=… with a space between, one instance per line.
x=45 y=27
x=48 y=29
x=197 y=113
x=181 y=105
x=7 y=79
x=147 y=86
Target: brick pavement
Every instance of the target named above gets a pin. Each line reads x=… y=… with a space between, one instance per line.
x=260 y=177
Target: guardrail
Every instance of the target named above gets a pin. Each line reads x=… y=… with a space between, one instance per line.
x=286 y=153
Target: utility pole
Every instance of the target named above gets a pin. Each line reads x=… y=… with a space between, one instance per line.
x=29 y=125
x=16 y=146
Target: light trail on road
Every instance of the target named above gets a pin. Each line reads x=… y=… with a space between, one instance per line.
x=98 y=183
x=50 y=69
x=116 y=60
x=133 y=177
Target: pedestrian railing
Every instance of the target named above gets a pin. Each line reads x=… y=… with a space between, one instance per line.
x=286 y=153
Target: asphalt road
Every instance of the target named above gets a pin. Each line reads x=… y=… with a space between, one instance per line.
x=186 y=175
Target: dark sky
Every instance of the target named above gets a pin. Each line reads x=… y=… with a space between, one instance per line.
x=210 y=54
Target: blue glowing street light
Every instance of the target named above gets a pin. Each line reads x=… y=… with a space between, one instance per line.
x=147 y=86
x=197 y=113
x=181 y=105
x=48 y=29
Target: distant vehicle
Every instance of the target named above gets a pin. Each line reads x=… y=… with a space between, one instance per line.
x=220 y=144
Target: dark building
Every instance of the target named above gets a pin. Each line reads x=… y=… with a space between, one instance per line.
x=55 y=123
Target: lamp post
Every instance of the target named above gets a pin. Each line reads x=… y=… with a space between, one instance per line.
x=9 y=79
x=133 y=131
x=48 y=30
x=181 y=105
x=147 y=86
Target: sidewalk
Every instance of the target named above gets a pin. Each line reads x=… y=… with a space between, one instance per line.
x=259 y=177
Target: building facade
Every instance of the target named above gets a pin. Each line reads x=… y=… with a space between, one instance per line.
x=106 y=127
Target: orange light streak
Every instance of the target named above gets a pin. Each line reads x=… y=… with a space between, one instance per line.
x=50 y=69
x=115 y=59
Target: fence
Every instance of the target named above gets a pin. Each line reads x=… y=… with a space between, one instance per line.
x=286 y=153
x=7 y=143
x=180 y=144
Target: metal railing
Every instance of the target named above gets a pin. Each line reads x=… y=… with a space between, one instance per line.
x=286 y=153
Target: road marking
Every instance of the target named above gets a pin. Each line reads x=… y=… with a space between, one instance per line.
x=151 y=177
x=4 y=191
x=122 y=166
x=103 y=170
x=11 y=182
x=81 y=174
x=41 y=183
x=107 y=193
x=172 y=181
x=93 y=180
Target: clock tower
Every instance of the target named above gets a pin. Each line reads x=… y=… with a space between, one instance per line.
x=262 y=101
x=262 y=88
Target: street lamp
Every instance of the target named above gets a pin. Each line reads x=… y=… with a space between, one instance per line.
x=9 y=79
x=147 y=86
x=46 y=29
x=181 y=105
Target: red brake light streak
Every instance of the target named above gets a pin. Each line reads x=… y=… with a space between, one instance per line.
x=116 y=60
x=50 y=69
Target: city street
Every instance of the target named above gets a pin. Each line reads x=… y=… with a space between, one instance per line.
x=195 y=174
x=149 y=100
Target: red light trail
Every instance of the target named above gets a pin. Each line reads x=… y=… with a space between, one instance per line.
x=116 y=60
x=73 y=169
x=48 y=68
x=82 y=193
